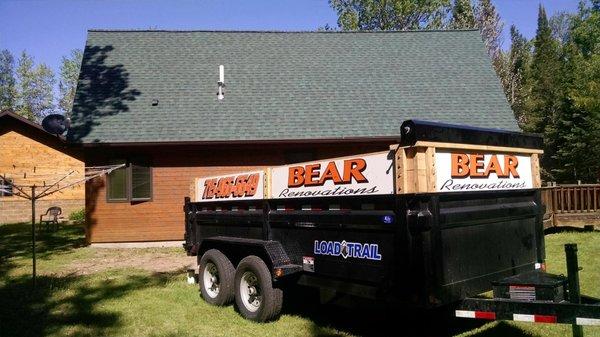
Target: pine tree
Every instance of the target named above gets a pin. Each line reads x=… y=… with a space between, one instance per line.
x=7 y=80
x=69 y=73
x=544 y=77
x=34 y=89
x=462 y=15
x=545 y=93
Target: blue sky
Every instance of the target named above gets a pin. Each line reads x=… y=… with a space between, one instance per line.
x=49 y=29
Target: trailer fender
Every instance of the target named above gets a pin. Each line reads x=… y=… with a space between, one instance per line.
x=272 y=253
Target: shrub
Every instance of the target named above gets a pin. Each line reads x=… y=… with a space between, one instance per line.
x=78 y=216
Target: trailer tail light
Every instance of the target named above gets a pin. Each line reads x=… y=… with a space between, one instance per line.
x=490 y=315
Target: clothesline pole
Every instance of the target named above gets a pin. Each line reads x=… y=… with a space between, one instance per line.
x=51 y=189
x=33 y=197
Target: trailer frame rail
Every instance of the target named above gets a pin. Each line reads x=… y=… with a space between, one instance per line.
x=531 y=311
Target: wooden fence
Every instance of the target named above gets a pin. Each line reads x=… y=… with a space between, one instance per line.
x=568 y=204
x=572 y=198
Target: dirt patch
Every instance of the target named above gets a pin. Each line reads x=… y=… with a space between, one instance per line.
x=156 y=260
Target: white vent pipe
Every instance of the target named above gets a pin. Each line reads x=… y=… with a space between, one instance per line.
x=221 y=83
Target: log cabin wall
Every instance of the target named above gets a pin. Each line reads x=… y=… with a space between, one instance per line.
x=29 y=156
x=174 y=169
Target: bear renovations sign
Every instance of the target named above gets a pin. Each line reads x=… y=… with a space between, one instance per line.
x=240 y=186
x=464 y=171
x=369 y=174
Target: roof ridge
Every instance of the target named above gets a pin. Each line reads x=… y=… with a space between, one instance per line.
x=109 y=30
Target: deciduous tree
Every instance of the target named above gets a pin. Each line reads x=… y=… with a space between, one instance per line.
x=517 y=63
x=578 y=120
x=69 y=73
x=463 y=16
x=391 y=14
x=490 y=25
x=34 y=89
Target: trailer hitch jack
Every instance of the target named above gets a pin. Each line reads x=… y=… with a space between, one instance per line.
x=573 y=279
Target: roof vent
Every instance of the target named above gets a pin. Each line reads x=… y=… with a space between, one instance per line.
x=221 y=83
x=154 y=102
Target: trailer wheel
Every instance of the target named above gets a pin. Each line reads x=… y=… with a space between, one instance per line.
x=255 y=296
x=216 y=278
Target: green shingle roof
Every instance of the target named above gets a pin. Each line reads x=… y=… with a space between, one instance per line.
x=281 y=85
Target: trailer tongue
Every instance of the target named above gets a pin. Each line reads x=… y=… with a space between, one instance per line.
x=448 y=213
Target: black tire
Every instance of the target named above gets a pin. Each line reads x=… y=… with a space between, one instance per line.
x=220 y=291
x=270 y=299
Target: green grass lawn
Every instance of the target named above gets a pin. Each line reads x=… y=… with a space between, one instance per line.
x=78 y=296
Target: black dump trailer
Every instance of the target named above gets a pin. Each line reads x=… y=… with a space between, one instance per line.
x=446 y=214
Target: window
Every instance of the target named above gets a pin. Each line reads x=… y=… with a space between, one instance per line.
x=131 y=183
x=141 y=182
x=117 y=184
x=6 y=187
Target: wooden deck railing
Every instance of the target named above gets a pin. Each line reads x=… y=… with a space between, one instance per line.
x=572 y=198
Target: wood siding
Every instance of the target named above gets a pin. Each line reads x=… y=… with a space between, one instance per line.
x=173 y=171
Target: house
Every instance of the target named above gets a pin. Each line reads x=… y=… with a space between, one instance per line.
x=148 y=99
x=31 y=156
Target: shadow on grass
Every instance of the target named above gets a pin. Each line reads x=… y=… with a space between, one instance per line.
x=71 y=302
x=366 y=318
x=502 y=329
x=15 y=242
x=67 y=302
x=61 y=304
x=568 y=229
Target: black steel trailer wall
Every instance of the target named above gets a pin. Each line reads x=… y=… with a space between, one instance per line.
x=426 y=249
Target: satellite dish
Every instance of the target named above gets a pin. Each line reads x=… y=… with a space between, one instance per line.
x=55 y=124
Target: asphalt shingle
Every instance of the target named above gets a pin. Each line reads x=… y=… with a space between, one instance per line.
x=281 y=85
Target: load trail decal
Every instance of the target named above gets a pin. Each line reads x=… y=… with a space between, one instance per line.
x=368 y=251
x=456 y=172
x=370 y=174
